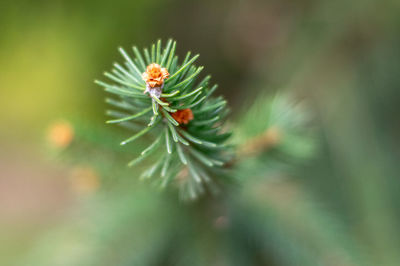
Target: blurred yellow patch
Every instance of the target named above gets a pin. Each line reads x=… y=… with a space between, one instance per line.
x=41 y=75
x=60 y=134
x=84 y=180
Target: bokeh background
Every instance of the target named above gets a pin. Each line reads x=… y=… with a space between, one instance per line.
x=342 y=57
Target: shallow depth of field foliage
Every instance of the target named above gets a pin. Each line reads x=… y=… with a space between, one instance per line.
x=312 y=90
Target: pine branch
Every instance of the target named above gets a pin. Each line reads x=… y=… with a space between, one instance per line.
x=179 y=111
x=285 y=128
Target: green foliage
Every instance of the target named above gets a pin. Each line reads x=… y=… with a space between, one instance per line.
x=194 y=150
x=286 y=121
x=270 y=219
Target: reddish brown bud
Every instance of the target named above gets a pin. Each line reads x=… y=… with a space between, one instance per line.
x=183 y=116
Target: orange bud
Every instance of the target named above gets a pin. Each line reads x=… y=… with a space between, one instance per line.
x=183 y=116
x=155 y=75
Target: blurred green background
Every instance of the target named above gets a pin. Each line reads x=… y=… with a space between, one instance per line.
x=342 y=57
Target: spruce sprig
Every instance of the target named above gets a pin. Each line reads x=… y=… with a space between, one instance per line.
x=157 y=96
